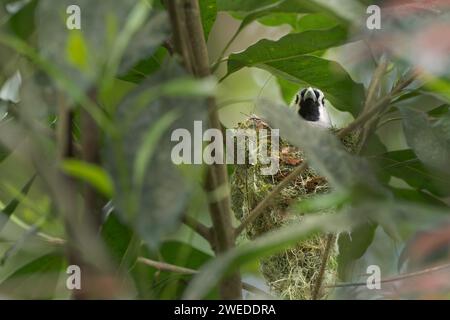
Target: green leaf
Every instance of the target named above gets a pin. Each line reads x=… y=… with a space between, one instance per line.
x=36 y=279
x=145 y=67
x=153 y=205
x=208 y=11
x=439 y=111
x=123 y=245
x=94 y=175
x=291 y=46
x=430 y=142
x=353 y=245
x=242 y=6
x=149 y=145
x=263 y=246
x=116 y=36
x=288 y=58
x=22 y=22
x=315 y=21
x=12 y=205
x=405 y=165
x=418 y=196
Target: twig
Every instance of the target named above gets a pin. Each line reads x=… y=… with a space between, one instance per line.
x=224 y=50
x=179 y=32
x=198 y=227
x=323 y=265
x=393 y=279
x=378 y=107
x=163 y=266
x=270 y=197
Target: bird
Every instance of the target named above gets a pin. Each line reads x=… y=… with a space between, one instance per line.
x=310 y=104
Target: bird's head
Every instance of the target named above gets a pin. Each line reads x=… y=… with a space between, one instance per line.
x=309 y=102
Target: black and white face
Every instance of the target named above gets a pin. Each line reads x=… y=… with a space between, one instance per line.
x=309 y=101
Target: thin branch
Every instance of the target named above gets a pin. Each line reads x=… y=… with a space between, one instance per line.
x=323 y=265
x=220 y=59
x=199 y=227
x=177 y=21
x=374 y=84
x=394 y=279
x=378 y=107
x=259 y=209
x=163 y=266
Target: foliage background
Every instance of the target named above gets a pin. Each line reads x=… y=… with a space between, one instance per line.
x=118 y=69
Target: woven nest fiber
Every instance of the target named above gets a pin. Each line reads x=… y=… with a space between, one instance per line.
x=292 y=273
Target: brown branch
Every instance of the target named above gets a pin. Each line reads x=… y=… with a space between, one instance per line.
x=163 y=266
x=90 y=146
x=198 y=227
x=259 y=209
x=394 y=279
x=180 y=43
x=323 y=265
x=189 y=40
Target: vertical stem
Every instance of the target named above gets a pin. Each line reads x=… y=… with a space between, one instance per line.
x=90 y=144
x=68 y=202
x=217 y=178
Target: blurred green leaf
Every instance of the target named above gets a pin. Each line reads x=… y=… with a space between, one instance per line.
x=36 y=279
x=149 y=145
x=242 y=5
x=22 y=23
x=440 y=111
x=405 y=165
x=322 y=202
x=12 y=205
x=418 y=196
x=94 y=175
x=154 y=209
x=353 y=245
x=116 y=36
x=208 y=11
x=116 y=236
x=145 y=67
x=430 y=142
x=263 y=246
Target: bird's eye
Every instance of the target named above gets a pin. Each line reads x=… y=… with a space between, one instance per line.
x=317 y=94
x=302 y=93
x=296 y=98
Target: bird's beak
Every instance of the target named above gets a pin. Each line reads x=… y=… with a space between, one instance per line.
x=309 y=94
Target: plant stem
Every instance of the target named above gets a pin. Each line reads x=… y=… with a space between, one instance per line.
x=323 y=266
x=396 y=278
x=198 y=227
x=163 y=266
x=378 y=107
x=90 y=145
x=192 y=47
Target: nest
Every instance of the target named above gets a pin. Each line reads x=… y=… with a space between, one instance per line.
x=292 y=273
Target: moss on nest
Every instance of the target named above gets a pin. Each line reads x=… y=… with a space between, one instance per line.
x=292 y=273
